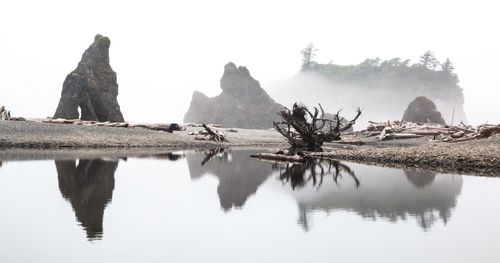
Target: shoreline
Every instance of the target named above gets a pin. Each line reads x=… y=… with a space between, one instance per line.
x=23 y=140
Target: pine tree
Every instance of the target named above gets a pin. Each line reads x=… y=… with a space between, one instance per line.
x=447 y=66
x=308 y=55
x=429 y=61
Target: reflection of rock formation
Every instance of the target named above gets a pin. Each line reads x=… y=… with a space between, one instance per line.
x=243 y=102
x=420 y=178
x=92 y=87
x=382 y=193
x=89 y=188
x=239 y=175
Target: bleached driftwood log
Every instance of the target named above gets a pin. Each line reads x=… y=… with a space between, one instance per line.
x=279 y=157
x=210 y=135
x=155 y=127
x=403 y=130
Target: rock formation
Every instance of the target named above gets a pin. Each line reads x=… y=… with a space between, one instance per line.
x=243 y=103
x=92 y=87
x=423 y=110
x=4 y=114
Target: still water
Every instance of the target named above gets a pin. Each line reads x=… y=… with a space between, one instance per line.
x=222 y=206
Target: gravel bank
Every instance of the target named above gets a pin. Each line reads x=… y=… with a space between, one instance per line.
x=34 y=140
x=481 y=157
x=36 y=135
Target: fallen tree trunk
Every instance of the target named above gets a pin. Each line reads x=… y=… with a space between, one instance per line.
x=395 y=136
x=279 y=157
x=155 y=127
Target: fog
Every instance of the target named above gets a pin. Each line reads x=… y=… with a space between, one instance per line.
x=379 y=102
x=164 y=50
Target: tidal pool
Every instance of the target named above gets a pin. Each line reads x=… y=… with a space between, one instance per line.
x=223 y=206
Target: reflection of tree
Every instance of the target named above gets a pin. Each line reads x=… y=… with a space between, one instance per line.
x=313 y=170
x=89 y=188
x=0 y=164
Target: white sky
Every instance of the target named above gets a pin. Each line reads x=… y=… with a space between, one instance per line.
x=164 y=50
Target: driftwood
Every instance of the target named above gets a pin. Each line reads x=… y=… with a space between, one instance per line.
x=210 y=135
x=306 y=130
x=403 y=130
x=4 y=114
x=155 y=127
x=279 y=157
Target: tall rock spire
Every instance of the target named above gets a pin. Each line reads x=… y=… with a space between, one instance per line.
x=92 y=87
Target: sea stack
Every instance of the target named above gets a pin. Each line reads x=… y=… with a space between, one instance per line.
x=243 y=103
x=423 y=110
x=92 y=87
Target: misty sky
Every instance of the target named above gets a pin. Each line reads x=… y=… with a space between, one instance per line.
x=164 y=50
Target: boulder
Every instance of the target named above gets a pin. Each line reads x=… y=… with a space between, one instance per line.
x=423 y=110
x=92 y=87
x=243 y=103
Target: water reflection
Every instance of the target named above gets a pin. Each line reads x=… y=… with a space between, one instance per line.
x=377 y=193
x=329 y=185
x=420 y=179
x=88 y=186
x=316 y=185
x=313 y=170
x=239 y=175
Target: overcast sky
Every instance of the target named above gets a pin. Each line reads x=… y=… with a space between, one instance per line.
x=164 y=50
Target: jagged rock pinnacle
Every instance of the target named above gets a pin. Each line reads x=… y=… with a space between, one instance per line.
x=92 y=87
x=243 y=103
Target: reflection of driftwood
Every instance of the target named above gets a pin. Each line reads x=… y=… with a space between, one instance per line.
x=169 y=156
x=307 y=130
x=404 y=130
x=314 y=170
x=211 y=154
x=212 y=136
x=155 y=127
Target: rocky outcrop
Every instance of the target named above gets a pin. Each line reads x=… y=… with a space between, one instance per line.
x=423 y=110
x=243 y=103
x=92 y=87
x=4 y=114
